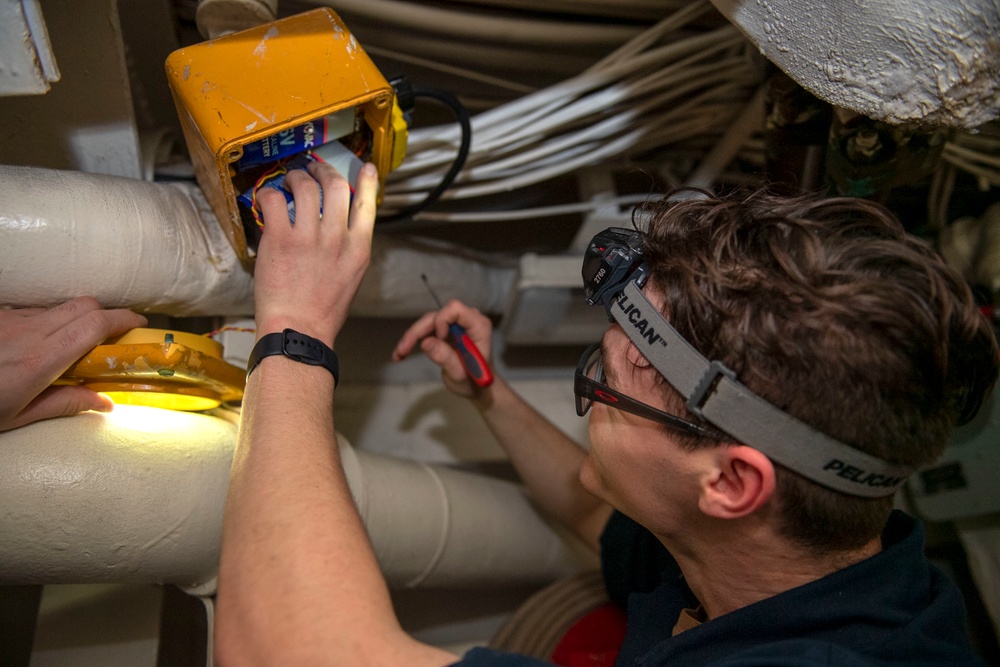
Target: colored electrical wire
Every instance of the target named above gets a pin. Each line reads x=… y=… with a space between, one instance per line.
x=278 y=170
x=216 y=332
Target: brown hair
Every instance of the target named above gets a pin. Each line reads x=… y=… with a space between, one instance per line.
x=830 y=311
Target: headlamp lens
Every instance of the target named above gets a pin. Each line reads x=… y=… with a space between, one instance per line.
x=613 y=258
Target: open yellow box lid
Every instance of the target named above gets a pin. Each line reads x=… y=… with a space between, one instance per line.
x=250 y=85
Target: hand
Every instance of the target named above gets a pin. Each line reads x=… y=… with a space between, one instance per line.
x=431 y=331
x=37 y=345
x=307 y=273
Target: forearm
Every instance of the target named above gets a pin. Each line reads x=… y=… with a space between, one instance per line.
x=298 y=582
x=547 y=460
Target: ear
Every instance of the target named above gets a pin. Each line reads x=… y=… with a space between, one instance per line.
x=742 y=479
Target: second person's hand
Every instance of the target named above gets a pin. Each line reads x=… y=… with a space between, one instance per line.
x=431 y=333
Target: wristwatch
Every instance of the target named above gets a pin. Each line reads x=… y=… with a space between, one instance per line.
x=297 y=346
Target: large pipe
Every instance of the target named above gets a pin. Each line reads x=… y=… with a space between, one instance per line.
x=216 y=18
x=126 y=242
x=136 y=496
x=158 y=248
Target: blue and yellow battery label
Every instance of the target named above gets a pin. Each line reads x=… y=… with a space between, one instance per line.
x=296 y=139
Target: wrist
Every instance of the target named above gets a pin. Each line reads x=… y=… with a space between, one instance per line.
x=279 y=323
x=296 y=346
x=492 y=398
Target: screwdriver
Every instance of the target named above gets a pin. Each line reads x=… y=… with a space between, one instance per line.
x=472 y=359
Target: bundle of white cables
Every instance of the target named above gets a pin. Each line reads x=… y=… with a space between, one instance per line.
x=664 y=86
x=974 y=152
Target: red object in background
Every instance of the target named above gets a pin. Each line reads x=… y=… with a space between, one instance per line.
x=594 y=640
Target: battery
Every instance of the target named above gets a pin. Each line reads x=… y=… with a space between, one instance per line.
x=333 y=153
x=296 y=139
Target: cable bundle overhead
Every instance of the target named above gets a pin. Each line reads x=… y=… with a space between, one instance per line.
x=663 y=87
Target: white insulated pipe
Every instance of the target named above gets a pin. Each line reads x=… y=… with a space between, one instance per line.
x=130 y=244
x=158 y=248
x=216 y=18
x=136 y=496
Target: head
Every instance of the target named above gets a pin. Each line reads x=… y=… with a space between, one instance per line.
x=827 y=309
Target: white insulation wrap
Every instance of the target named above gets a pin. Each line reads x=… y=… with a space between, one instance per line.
x=892 y=60
x=436 y=526
x=158 y=248
x=133 y=496
x=136 y=496
x=148 y=246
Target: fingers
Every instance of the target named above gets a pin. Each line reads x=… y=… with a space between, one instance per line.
x=53 y=319
x=365 y=200
x=433 y=326
x=82 y=334
x=306 y=192
x=307 y=273
x=60 y=402
x=441 y=353
x=422 y=328
x=274 y=210
x=336 y=193
x=477 y=326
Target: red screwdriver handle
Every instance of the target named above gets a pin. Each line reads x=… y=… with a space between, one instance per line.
x=472 y=359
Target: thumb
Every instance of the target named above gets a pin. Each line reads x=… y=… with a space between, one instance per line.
x=62 y=402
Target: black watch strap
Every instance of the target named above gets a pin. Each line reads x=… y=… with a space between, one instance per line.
x=297 y=346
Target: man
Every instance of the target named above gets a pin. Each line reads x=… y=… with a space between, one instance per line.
x=830 y=355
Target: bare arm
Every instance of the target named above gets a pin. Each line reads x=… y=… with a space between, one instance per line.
x=38 y=344
x=298 y=580
x=547 y=460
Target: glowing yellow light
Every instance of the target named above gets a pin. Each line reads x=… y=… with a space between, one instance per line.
x=162 y=400
x=158 y=368
x=157 y=421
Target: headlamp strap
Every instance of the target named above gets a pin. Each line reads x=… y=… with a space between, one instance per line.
x=714 y=394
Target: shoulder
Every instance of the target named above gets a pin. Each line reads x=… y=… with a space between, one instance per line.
x=632 y=559
x=485 y=657
x=813 y=653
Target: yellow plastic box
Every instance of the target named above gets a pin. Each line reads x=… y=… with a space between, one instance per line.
x=247 y=86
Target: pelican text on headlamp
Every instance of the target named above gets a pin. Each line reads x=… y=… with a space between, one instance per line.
x=634 y=315
x=859 y=476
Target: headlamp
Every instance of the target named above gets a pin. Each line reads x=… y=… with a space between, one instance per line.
x=613 y=259
x=614 y=272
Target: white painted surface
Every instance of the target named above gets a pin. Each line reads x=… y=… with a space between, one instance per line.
x=90 y=107
x=27 y=64
x=892 y=60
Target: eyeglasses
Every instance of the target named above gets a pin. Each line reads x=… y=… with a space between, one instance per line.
x=589 y=385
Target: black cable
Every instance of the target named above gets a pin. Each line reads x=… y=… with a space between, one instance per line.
x=462 y=115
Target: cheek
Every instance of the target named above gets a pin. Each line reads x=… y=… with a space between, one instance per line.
x=613 y=468
x=632 y=467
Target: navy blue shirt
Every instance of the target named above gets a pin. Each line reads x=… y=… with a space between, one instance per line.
x=892 y=608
